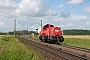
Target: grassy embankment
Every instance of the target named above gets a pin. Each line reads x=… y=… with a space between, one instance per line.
x=11 y=49
x=77 y=40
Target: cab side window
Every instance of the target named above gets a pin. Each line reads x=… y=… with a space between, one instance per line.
x=46 y=26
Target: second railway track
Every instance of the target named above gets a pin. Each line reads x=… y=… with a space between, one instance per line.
x=54 y=53
x=76 y=48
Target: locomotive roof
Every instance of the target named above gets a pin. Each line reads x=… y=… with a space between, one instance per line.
x=48 y=24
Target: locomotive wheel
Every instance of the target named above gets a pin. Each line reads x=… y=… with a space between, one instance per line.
x=44 y=41
x=41 y=40
x=57 y=42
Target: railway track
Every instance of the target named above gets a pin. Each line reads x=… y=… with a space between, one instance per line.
x=52 y=52
x=76 y=48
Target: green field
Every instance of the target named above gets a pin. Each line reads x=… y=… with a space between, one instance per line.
x=12 y=49
x=77 y=40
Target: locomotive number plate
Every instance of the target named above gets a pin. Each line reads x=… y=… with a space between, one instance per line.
x=56 y=30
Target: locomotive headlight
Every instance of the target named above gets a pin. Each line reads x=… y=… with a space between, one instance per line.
x=56 y=30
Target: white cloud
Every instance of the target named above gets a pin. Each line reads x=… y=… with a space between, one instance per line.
x=61 y=6
x=7 y=8
x=87 y=9
x=33 y=27
x=88 y=23
x=51 y=12
x=28 y=7
x=64 y=15
x=32 y=7
x=7 y=5
x=79 y=17
x=62 y=25
x=1 y=24
x=75 y=2
x=72 y=22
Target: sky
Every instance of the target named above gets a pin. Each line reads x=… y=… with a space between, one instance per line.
x=67 y=14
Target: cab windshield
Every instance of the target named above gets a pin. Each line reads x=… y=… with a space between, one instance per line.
x=51 y=26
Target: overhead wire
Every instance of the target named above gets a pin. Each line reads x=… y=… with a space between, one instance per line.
x=42 y=3
x=76 y=5
x=52 y=2
x=44 y=7
x=39 y=7
x=33 y=16
x=42 y=10
x=65 y=10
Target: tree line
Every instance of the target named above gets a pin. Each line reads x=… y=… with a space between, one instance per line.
x=22 y=32
x=76 y=32
x=65 y=32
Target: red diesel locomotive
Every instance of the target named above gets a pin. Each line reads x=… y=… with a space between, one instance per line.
x=51 y=33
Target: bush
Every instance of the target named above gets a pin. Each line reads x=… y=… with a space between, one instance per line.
x=5 y=38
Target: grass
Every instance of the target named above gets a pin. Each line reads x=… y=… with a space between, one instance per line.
x=83 y=37
x=11 y=49
x=36 y=37
x=80 y=40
